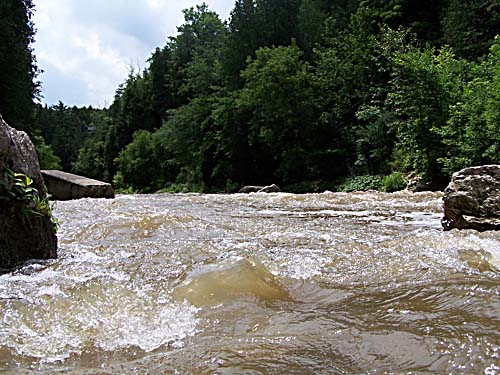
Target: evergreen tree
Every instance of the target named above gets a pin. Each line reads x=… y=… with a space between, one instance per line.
x=280 y=21
x=244 y=39
x=18 y=69
x=65 y=130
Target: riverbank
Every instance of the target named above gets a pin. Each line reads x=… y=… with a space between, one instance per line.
x=388 y=183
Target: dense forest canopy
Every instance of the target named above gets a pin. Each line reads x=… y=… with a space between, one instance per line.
x=308 y=94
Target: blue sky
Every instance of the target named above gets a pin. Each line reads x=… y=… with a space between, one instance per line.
x=87 y=47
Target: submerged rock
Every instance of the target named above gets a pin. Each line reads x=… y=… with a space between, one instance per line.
x=472 y=199
x=26 y=228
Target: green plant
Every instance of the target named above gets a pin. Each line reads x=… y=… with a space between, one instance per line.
x=44 y=208
x=17 y=189
x=360 y=183
x=394 y=182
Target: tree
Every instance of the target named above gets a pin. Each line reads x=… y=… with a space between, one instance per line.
x=472 y=133
x=187 y=135
x=375 y=133
x=18 y=69
x=315 y=17
x=424 y=19
x=424 y=85
x=255 y=24
x=470 y=26
x=143 y=165
x=202 y=73
x=294 y=91
x=199 y=42
x=90 y=161
x=64 y=129
x=46 y=156
x=281 y=129
x=311 y=18
x=381 y=12
x=196 y=54
x=243 y=40
x=163 y=96
x=349 y=68
x=280 y=21
x=131 y=111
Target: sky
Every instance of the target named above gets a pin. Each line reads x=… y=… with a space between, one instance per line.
x=86 y=48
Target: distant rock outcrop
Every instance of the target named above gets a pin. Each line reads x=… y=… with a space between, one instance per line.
x=26 y=228
x=472 y=199
x=260 y=189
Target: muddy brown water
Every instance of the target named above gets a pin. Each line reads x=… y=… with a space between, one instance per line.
x=362 y=283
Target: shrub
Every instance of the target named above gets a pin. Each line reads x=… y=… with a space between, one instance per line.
x=360 y=183
x=394 y=182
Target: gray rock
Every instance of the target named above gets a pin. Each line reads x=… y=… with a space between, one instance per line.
x=250 y=189
x=259 y=189
x=18 y=153
x=270 y=189
x=472 y=199
x=65 y=186
x=22 y=236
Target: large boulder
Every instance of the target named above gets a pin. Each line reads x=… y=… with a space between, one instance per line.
x=26 y=227
x=65 y=186
x=18 y=153
x=472 y=199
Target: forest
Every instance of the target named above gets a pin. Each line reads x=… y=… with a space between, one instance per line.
x=307 y=94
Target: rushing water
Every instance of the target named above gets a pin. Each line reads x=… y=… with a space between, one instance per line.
x=364 y=283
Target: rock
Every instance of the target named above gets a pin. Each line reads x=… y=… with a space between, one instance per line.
x=259 y=189
x=18 y=154
x=65 y=186
x=24 y=235
x=270 y=189
x=472 y=199
x=250 y=189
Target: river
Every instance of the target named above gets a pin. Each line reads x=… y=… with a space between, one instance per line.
x=332 y=283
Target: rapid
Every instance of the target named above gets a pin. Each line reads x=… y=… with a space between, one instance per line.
x=332 y=283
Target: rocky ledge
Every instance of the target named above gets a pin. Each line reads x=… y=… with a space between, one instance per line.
x=65 y=186
x=472 y=199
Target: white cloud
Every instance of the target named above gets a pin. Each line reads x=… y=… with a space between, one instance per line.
x=86 y=48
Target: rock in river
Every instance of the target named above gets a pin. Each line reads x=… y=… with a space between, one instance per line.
x=472 y=199
x=26 y=228
x=260 y=189
x=65 y=186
